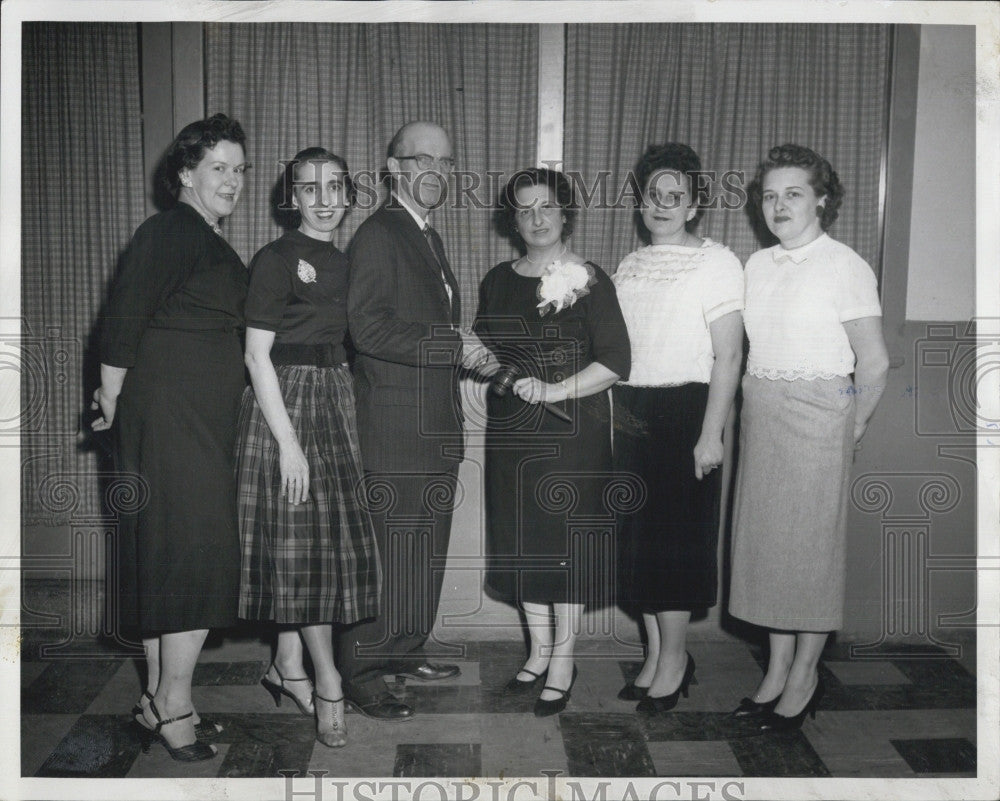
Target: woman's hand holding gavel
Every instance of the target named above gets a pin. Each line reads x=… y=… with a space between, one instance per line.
x=530 y=390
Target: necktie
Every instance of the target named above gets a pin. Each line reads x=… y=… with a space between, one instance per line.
x=437 y=248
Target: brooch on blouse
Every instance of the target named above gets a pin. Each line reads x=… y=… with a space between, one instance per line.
x=307 y=273
x=563 y=284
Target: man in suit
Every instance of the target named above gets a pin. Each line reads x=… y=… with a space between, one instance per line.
x=404 y=313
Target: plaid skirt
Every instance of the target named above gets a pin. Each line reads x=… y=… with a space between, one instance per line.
x=314 y=562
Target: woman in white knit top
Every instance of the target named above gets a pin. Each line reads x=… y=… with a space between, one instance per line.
x=681 y=298
x=813 y=318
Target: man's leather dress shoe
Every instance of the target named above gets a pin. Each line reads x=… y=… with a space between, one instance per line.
x=385 y=707
x=430 y=672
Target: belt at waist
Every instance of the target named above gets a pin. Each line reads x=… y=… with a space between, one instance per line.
x=314 y=355
x=198 y=326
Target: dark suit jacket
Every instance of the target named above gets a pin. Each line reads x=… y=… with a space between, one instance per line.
x=408 y=348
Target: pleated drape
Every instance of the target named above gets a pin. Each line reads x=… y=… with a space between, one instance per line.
x=349 y=87
x=731 y=91
x=81 y=199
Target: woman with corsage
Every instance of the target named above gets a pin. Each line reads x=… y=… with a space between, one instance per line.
x=551 y=317
x=681 y=297
x=813 y=320
x=309 y=553
x=171 y=380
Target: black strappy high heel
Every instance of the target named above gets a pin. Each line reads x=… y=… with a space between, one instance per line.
x=192 y=752
x=544 y=709
x=515 y=685
x=204 y=729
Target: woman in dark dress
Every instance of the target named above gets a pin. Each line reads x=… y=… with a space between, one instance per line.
x=555 y=317
x=681 y=297
x=171 y=380
x=309 y=553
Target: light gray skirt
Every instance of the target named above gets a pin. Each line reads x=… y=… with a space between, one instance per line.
x=789 y=529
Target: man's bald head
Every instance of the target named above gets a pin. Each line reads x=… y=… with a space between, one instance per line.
x=411 y=138
x=420 y=160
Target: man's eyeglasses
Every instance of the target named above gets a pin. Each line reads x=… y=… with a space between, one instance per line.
x=428 y=162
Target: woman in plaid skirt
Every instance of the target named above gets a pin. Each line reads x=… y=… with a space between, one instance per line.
x=309 y=553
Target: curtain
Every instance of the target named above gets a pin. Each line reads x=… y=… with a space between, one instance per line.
x=349 y=87
x=81 y=198
x=730 y=91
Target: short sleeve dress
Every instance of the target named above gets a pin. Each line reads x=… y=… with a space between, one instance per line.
x=797 y=434
x=174 y=321
x=317 y=561
x=544 y=475
x=670 y=295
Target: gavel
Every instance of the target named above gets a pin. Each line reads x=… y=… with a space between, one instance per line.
x=504 y=379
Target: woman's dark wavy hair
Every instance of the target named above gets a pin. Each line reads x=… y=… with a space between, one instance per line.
x=188 y=149
x=558 y=184
x=822 y=178
x=286 y=214
x=676 y=157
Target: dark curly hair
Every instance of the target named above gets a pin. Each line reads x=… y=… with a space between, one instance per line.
x=822 y=178
x=558 y=184
x=286 y=184
x=673 y=156
x=188 y=148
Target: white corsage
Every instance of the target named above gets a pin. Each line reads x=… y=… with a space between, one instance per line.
x=307 y=273
x=563 y=284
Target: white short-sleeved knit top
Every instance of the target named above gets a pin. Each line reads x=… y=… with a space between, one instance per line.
x=668 y=295
x=796 y=304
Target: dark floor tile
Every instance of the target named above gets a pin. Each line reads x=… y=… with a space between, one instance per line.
x=497 y=700
x=934 y=685
x=239 y=673
x=440 y=759
x=68 y=686
x=605 y=744
x=427 y=698
x=265 y=742
x=944 y=755
x=694 y=726
x=98 y=746
x=783 y=755
x=248 y=760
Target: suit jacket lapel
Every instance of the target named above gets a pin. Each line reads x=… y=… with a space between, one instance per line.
x=411 y=231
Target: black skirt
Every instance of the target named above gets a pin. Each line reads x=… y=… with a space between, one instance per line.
x=667 y=547
x=176 y=418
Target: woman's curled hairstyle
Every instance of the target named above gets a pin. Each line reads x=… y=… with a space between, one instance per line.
x=822 y=178
x=558 y=184
x=188 y=149
x=674 y=157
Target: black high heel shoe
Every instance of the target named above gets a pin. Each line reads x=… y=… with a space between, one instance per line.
x=655 y=704
x=515 y=685
x=773 y=722
x=192 y=752
x=633 y=692
x=204 y=729
x=278 y=690
x=544 y=709
x=749 y=708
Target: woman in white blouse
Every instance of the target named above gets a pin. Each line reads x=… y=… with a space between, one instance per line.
x=813 y=318
x=681 y=298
